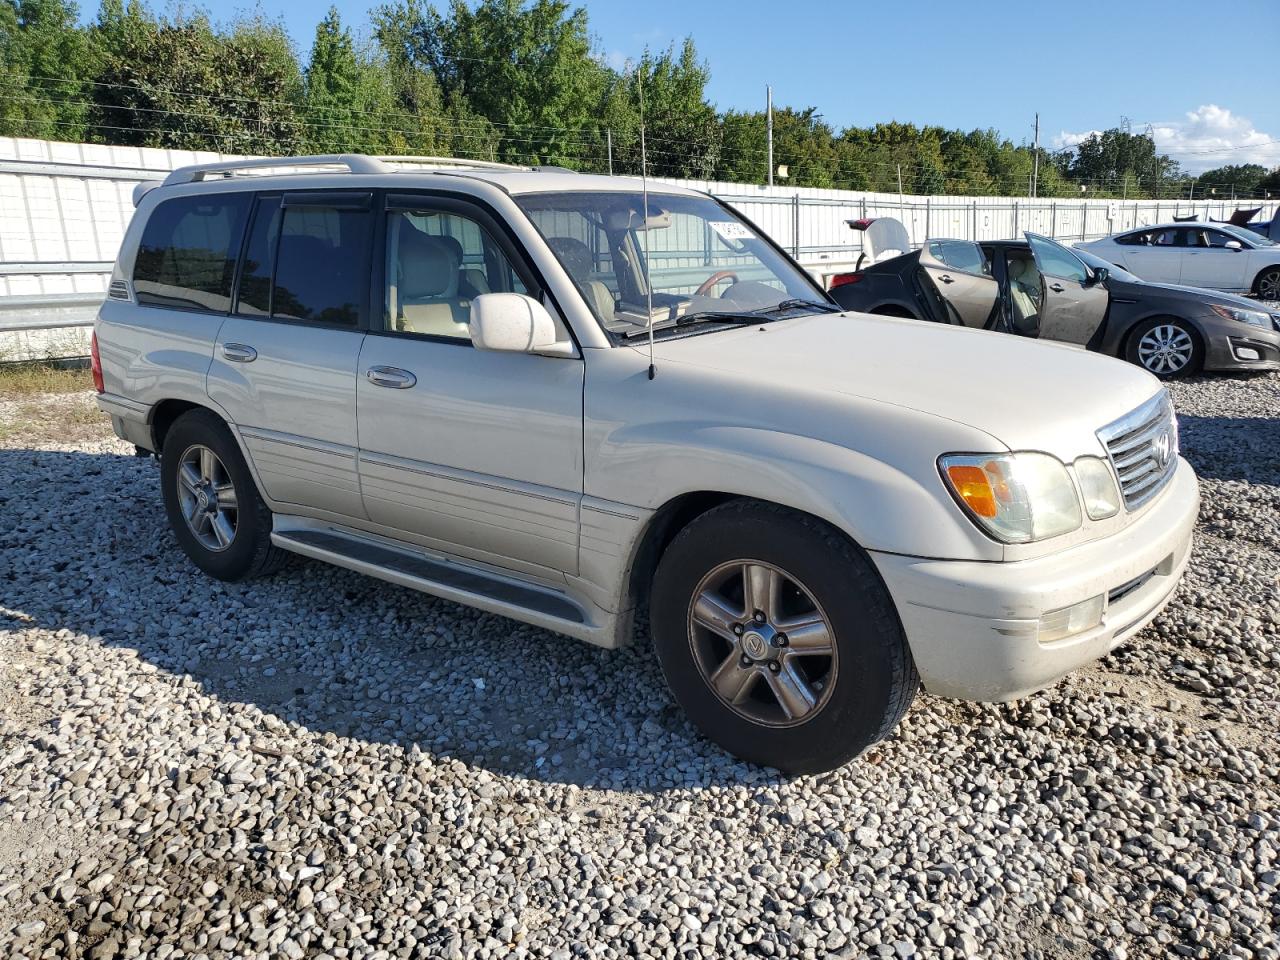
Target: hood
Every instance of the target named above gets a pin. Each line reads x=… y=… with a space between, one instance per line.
x=1179 y=292
x=1025 y=394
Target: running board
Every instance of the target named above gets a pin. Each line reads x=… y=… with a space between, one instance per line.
x=463 y=584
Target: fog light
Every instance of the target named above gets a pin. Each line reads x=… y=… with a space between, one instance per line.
x=1068 y=621
x=1247 y=353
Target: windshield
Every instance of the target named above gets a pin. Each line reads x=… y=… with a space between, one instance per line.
x=1249 y=238
x=702 y=258
x=1096 y=263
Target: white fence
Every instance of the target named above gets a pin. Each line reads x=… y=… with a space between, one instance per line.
x=64 y=208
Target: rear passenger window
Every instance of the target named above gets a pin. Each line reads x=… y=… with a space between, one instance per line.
x=306 y=261
x=188 y=252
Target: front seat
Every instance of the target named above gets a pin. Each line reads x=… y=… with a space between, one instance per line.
x=427 y=299
x=471 y=281
x=1024 y=294
x=576 y=259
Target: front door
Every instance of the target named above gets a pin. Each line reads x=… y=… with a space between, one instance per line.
x=1159 y=259
x=475 y=452
x=1073 y=304
x=1209 y=262
x=957 y=270
x=284 y=365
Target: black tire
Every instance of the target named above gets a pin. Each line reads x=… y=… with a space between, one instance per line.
x=1134 y=354
x=876 y=680
x=1267 y=284
x=250 y=551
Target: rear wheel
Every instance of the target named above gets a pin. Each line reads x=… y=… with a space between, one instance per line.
x=1267 y=286
x=217 y=515
x=1166 y=346
x=778 y=639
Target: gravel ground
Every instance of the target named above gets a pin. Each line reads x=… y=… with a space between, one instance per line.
x=322 y=765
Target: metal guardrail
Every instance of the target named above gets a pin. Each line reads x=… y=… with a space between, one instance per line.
x=48 y=311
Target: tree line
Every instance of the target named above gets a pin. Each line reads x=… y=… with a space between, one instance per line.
x=503 y=80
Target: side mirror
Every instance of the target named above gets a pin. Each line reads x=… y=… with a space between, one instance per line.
x=515 y=323
x=1234 y=245
x=1100 y=275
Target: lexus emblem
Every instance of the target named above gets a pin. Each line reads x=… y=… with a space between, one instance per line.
x=1162 y=449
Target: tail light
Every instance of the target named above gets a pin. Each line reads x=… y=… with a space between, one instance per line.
x=840 y=279
x=95 y=364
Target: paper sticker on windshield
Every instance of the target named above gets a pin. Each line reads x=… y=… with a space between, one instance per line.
x=731 y=230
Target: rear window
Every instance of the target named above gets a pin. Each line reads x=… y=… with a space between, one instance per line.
x=188 y=253
x=960 y=254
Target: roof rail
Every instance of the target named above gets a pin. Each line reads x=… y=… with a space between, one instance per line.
x=354 y=162
x=452 y=162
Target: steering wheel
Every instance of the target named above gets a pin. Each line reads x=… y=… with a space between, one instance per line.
x=715 y=278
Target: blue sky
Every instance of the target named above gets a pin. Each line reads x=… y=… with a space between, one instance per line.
x=1083 y=65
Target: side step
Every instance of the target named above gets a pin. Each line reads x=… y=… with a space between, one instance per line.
x=451 y=581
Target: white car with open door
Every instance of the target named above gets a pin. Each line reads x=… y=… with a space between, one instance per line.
x=1220 y=256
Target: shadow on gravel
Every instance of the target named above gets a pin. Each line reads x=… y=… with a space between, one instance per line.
x=1227 y=448
x=84 y=546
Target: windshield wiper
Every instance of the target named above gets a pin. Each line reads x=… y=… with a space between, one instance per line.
x=798 y=303
x=692 y=319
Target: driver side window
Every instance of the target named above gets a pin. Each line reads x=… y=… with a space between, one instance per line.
x=1054 y=261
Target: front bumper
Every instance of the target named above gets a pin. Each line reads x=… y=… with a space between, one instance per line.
x=973 y=626
x=1237 y=346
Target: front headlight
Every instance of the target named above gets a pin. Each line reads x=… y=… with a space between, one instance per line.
x=1253 y=317
x=1098 y=487
x=1015 y=497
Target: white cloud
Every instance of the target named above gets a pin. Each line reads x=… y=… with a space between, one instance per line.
x=1209 y=136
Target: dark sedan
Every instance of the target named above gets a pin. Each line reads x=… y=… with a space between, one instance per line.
x=1039 y=288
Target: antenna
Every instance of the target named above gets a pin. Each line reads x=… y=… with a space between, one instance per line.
x=644 y=215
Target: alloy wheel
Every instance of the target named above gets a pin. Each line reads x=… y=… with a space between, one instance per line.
x=207 y=498
x=762 y=643
x=1269 y=286
x=1166 y=349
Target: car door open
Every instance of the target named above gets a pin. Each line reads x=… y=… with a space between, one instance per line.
x=1074 y=298
x=955 y=270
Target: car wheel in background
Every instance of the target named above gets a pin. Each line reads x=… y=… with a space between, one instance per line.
x=213 y=505
x=778 y=638
x=1267 y=286
x=1166 y=346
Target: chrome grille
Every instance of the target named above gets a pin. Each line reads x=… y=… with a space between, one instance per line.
x=1143 y=448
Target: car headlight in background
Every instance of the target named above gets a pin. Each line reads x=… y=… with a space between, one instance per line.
x=1098 y=487
x=1255 y=318
x=1015 y=497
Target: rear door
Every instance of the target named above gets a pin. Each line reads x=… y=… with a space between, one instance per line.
x=957 y=271
x=1074 y=304
x=284 y=365
x=1158 y=257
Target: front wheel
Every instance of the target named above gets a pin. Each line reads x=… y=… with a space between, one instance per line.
x=1165 y=346
x=778 y=639
x=1267 y=286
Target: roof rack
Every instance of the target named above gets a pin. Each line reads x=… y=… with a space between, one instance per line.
x=452 y=162
x=354 y=162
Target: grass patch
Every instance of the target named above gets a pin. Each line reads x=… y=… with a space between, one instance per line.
x=31 y=379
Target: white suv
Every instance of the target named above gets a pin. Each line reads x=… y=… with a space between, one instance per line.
x=441 y=376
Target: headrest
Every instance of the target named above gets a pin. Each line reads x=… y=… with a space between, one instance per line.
x=1021 y=269
x=428 y=265
x=574 y=254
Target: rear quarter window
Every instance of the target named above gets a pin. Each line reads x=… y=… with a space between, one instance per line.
x=188 y=253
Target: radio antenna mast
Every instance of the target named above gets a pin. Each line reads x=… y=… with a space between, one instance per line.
x=644 y=216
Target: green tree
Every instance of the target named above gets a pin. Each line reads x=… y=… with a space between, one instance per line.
x=1241 y=180
x=350 y=102
x=45 y=60
x=1115 y=161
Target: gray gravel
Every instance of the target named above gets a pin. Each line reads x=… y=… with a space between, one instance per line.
x=322 y=765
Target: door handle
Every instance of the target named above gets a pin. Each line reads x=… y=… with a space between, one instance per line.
x=239 y=352
x=1056 y=287
x=392 y=377
x=946 y=279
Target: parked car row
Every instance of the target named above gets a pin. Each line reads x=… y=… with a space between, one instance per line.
x=569 y=399
x=1041 y=289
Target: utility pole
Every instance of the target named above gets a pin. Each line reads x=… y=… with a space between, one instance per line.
x=768 y=95
x=608 y=140
x=1035 y=161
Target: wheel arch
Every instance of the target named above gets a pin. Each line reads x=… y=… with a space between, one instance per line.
x=165 y=413
x=1257 y=280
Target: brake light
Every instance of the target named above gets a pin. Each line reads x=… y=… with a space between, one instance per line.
x=95 y=364
x=840 y=279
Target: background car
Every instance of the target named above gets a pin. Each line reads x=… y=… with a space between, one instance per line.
x=1221 y=256
x=1039 y=288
